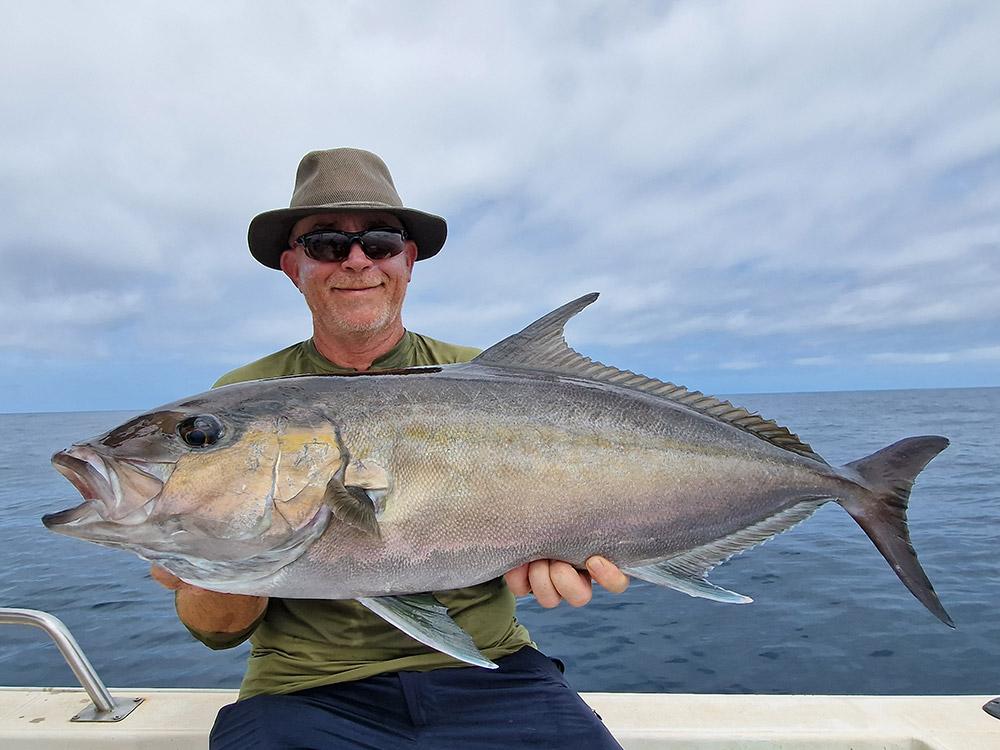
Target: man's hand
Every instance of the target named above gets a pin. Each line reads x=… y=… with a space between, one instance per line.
x=209 y=611
x=551 y=581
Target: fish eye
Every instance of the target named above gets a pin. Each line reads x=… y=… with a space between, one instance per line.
x=200 y=431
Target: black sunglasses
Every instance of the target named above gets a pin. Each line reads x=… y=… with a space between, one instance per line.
x=333 y=246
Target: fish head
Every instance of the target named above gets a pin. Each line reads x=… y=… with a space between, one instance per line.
x=211 y=489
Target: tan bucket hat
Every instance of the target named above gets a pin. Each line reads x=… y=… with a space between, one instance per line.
x=341 y=180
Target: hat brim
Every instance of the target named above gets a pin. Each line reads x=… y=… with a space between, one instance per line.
x=268 y=233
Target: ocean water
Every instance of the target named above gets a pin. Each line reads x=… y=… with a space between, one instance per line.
x=829 y=616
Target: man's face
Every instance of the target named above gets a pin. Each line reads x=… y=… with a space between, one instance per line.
x=357 y=295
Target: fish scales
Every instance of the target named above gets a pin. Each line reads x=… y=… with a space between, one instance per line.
x=487 y=474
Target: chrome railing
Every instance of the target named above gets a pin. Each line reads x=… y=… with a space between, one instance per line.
x=105 y=706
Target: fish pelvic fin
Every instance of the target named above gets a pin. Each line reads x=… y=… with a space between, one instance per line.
x=678 y=577
x=542 y=346
x=888 y=477
x=424 y=618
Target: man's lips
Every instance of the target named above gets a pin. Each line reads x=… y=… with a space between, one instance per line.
x=355 y=290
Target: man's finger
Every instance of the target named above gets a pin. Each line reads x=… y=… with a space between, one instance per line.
x=571 y=584
x=165 y=578
x=541 y=584
x=607 y=574
x=517 y=580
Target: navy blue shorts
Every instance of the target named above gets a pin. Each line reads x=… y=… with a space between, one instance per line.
x=525 y=703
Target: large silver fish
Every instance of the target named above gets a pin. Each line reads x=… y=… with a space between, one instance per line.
x=377 y=487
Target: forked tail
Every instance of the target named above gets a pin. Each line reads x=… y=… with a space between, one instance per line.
x=888 y=475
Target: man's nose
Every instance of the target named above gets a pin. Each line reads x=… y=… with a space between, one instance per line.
x=356 y=260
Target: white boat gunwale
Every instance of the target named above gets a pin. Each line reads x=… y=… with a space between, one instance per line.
x=43 y=718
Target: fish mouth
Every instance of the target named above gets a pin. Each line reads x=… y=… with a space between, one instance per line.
x=122 y=491
x=84 y=513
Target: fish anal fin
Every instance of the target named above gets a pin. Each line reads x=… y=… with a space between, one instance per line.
x=425 y=619
x=687 y=570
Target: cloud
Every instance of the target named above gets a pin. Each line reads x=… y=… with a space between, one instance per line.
x=741 y=364
x=976 y=354
x=821 y=361
x=750 y=182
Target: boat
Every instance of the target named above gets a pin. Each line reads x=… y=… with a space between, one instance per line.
x=91 y=716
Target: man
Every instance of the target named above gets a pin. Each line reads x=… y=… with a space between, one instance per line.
x=331 y=673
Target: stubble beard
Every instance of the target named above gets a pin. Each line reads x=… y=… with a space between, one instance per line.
x=344 y=324
x=348 y=321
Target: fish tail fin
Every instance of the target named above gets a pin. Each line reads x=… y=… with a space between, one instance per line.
x=888 y=477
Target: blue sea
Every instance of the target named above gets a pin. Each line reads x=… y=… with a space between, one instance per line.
x=829 y=616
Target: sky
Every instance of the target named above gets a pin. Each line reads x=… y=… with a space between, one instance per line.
x=770 y=196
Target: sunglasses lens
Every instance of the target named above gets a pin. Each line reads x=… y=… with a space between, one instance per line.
x=381 y=243
x=327 y=247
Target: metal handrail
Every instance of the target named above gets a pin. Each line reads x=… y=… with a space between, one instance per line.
x=106 y=707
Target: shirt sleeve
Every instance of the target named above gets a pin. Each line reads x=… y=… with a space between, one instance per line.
x=220 y=641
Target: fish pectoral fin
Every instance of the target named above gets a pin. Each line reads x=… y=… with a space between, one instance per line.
x=370 y=478
x=424 y=618
x=682 y=578
x=349 y=502
x=352 y=505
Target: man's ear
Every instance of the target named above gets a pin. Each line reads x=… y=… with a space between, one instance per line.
x=289 y=262
x=411 y=258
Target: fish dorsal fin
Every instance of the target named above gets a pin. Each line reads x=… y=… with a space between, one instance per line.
x=542 y=346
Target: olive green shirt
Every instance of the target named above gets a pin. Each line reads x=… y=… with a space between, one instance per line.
x=304 y=643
